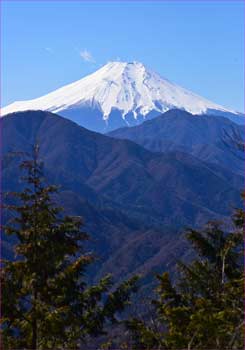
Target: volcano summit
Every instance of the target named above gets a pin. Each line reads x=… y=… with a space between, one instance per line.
x=119 y=94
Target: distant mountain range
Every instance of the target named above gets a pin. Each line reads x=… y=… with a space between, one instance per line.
x=120 y=94
x=212 y=139
x=136 y=199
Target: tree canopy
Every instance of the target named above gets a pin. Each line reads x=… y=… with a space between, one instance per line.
x=46 y=302
x=204 y=308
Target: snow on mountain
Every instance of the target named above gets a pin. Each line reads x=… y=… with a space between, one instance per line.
x=130 y=88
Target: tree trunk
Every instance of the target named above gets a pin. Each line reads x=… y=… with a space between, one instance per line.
x=34 y=334
x=34 y=324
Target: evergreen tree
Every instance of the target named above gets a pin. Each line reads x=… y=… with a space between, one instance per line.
x=46 y=303
x=204 y=309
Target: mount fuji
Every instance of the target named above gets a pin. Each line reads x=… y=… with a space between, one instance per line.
x=120 y=94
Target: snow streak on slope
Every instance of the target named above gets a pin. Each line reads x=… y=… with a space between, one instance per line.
x=127 y=87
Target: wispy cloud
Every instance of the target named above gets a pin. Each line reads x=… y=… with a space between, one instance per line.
x=49 y=50
x=87 y=56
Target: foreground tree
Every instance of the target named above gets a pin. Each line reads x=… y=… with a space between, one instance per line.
x=46 y=303
x=204 y=309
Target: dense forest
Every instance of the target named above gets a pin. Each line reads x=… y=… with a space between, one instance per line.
x=47 y=302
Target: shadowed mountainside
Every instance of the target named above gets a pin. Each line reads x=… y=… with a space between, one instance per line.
x=135 y=202
x=214 y=139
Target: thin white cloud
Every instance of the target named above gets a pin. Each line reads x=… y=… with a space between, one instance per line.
x=87 y=56
x=49 y=50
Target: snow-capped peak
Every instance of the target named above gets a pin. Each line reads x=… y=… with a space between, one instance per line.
x=127 y=87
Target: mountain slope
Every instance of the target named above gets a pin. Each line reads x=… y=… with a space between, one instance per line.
x=212 y=139
x=128 y=196
x=118 y=94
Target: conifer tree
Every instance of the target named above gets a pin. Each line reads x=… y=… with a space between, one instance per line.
x=204 y=308
x=46 y=303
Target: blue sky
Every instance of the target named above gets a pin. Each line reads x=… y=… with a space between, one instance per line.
x=198 y=45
